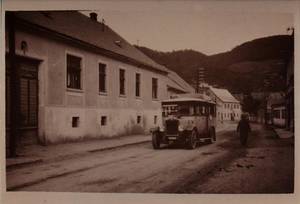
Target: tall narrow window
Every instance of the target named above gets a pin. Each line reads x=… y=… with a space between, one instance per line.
x=154 y=88
x=155 y=119
x=73 y=72
x=122 y=81
x=102 y=77
x=137 y=84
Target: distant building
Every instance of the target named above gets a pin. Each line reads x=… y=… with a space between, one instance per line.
x=266 y=113
x=228 y=107
x=279 y=114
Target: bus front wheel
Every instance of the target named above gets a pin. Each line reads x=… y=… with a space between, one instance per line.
x=192 y=141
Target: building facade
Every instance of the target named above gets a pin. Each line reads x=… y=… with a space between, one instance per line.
x=228 y=108
x=73 y=84
x=290 y=98
x=279 y=115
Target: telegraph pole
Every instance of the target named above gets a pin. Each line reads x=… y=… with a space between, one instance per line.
x=200 y=79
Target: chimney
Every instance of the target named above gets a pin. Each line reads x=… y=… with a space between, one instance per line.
x=93 y=16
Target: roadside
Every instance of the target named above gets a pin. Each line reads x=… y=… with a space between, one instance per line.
x=64 y=159
x=33 y=154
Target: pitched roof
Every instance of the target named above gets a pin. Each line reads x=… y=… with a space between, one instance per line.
x=224 y=95
x=175 y=81
x=80 y=27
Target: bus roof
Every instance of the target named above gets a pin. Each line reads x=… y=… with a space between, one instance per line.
x=187 y=99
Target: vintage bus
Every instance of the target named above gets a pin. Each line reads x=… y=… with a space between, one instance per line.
x=186 y=120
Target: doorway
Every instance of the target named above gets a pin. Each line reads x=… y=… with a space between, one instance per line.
x=28 y=78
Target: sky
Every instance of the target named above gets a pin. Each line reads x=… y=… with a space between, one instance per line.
x=208 y=27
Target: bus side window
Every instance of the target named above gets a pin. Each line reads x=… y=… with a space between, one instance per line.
x=206 y=110
x=212 y=110
x=198 y=110
x=192 y=111
x=203 y=110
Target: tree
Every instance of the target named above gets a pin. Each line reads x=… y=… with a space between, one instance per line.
x=250 y=104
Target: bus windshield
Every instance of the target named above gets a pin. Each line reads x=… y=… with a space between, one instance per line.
x=188 y=109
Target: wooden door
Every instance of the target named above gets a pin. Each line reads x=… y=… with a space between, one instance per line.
x=28 y=100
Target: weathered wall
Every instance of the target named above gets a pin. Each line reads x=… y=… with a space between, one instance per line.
x=57 y=104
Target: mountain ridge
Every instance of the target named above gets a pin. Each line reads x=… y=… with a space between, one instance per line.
x=254 y=66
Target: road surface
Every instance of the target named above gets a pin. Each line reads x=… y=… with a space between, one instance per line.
x=265 y=166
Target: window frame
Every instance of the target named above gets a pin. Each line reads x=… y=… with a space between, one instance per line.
x=124 y=82
x=138 y=85
x=82 y=73
x=103 y=120
x=73 y=70
x=105 y=77
x=154 y=88
x=75 y=121
x=155 y=119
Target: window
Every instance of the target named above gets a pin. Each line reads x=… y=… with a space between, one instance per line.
x=283 y=114
x=138 y=119
x=276 y=113
x=191 y=110
x=212 y=111
x=73 y=72
x=75 y=122
x=102 y=77
x=103 y=120
x=155 y=119
x=154 y=88
x=137 y=84
x=122 y=81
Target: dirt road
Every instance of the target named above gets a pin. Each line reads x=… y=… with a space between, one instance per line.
x=265 y=166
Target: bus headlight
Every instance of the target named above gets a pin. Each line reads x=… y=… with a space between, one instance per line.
x=180 y=128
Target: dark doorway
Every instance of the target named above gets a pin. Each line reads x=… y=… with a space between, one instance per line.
x=28 y=70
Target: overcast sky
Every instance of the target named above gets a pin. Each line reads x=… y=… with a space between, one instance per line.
x=209 y=27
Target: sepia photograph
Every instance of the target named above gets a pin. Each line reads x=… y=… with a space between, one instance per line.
x=150 y=97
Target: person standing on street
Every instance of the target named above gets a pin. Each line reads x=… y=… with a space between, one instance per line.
x=243 y=129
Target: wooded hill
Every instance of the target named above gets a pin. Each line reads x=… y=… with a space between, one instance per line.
x=257 y=65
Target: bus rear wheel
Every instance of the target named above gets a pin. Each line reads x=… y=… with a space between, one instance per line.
x=155 y=140
x=212 y=135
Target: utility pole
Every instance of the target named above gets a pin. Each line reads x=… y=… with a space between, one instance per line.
x=200 y=79
x=14 y=85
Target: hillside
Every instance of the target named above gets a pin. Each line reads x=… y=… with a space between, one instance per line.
x=256 y=65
